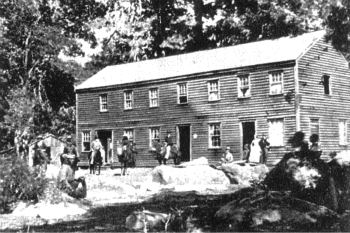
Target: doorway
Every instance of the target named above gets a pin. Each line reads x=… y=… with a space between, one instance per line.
x=185 y=142
x=107 y=152
x=248 y=132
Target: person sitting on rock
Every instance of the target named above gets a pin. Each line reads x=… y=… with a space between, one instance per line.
x=66 y=182
x=227 y=157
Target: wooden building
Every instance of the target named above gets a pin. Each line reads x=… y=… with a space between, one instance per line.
x=221 y=97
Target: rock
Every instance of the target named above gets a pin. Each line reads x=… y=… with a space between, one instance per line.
x=262 y=210
x=146 y=220
x=246 y=173
x=190 y=175
x=196 y=162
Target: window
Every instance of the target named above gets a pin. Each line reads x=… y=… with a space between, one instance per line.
x=343 y=132
x=243 y=84
x=276 y=132
x=314 y=126
x=326 y=82
x=213 y=90
x=103 y=103
x=128 y=100
x=214 y=135
x=153 y=97
x=154 y=134
x=86 y=140
x=182 y=93
x=130 y=134
x=276 y=82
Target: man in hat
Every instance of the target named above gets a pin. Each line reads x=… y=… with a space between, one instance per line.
x=70 y=152
x=227 y=157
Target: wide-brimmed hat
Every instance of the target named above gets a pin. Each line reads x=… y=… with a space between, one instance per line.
x=297 y=139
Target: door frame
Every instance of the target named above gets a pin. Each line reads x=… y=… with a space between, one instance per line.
x=241 y=132
x=190 y=137
x=112 y=137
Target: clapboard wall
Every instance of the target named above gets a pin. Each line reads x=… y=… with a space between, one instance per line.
x=230 y=111
x=322 y=59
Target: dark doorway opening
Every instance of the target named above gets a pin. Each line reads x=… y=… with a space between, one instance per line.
x=248 y=131
x=104 y=135
x=185 y=142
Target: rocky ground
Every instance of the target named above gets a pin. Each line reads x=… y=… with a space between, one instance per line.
x=208 y=198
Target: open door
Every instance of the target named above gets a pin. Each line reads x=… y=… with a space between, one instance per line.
x=104 y=135
x=185 y=142
x=248 y=132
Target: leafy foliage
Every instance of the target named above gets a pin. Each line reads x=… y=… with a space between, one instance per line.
x=18 y=182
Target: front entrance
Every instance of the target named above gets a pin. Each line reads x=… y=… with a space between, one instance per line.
x=107 y=152
x=184 y=142
x=248 y=132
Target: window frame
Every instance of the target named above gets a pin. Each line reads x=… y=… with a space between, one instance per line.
x=153 y=98
x=86 y=133
x=132 y=130
x=103 y=103
x=269 y=120
x=329 y=84
x=271 y=83
x=150 y=135
x=131 y=100
x=240 y=94
x=346 y=135
x=211 y=91
x=210 y=139
x=179 y=94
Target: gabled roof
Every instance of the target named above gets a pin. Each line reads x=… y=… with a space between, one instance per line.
x=255 y=53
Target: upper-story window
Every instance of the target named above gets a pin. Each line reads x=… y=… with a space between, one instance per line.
x=343 y=132
x=213 y=90
x=276 y=82
x=326 y=82
x=153 y=97
x=128 y=99
x=182 y=93
x=103 y=103
x=130 y=134
x=276 y=132
x=154 y=135
x=86 y=139
x=243 y=84
x=214 y=135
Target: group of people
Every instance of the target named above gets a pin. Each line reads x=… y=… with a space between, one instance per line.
x=256 y=152
x=166 y=150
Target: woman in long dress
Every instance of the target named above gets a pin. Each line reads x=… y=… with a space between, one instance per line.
x=255 y=151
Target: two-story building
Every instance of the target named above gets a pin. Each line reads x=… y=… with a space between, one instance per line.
x=221 y=97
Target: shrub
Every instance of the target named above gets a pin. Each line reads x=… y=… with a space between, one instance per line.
x=19 y=182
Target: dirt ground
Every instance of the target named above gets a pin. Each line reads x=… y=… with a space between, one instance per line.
x=110 y=199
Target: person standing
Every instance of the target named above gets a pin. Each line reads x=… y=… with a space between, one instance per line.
x=255 y=151
x=265 y=146
x=169 y=143
x=70 y=151
x=110 y=150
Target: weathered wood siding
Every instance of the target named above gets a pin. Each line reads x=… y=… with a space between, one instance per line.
x=322 y=59
x=199 y=112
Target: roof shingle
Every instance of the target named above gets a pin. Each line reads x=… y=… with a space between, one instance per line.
x=255 y=53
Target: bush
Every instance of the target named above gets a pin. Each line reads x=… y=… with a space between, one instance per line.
x=19 y=182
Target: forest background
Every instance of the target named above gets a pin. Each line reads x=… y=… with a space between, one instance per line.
x=49 y=46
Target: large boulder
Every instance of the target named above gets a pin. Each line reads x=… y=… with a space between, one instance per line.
x=189 y=175
x=245 y=173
